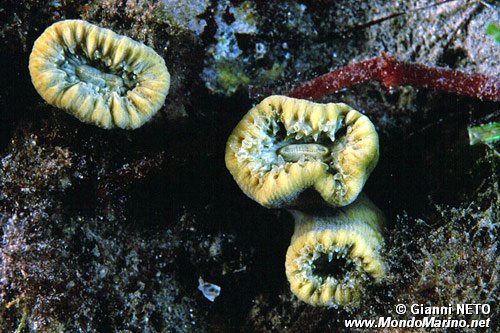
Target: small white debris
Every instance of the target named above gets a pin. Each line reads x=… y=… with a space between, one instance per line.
x=209 y=290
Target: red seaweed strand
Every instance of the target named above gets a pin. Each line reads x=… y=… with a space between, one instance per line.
x=336 y=80
x=392 y=73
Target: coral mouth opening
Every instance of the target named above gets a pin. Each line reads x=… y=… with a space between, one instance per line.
x=96 y=74
x=331 y=266
x=307 y=151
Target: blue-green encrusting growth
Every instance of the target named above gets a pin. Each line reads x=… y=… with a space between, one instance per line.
x=493 y=30
x=484 y=133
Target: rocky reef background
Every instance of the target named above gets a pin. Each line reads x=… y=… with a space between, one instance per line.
x=110 y=230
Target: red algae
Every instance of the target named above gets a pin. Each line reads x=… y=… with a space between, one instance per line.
x=392 y=73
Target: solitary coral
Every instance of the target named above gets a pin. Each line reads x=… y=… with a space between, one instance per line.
x=97 y=75
x=334 y=253
x=283 y=146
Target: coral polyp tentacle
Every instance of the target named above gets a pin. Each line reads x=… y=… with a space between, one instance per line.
x=284 y=146
x=335 y=253
x=97 y=75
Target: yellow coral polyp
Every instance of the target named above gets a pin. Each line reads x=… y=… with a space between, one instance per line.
x=333 y=254
x=98 y=76
x=284 y=146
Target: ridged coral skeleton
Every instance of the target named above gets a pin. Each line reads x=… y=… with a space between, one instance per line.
x=100 y=77
x=333 y=254
x=283 y=146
